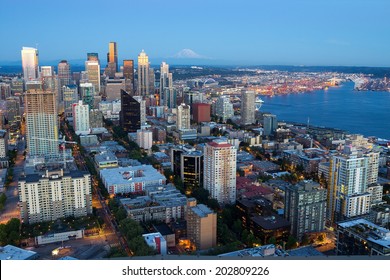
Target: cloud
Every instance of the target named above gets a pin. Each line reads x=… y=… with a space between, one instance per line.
x=188 y=53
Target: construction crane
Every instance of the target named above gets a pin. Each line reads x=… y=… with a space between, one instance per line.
x=62 y=142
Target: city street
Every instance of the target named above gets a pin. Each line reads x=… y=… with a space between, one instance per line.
x=11 y=209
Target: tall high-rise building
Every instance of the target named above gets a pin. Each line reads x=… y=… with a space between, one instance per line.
x=5 y=91
x=128 y=74
x=64 y=75
x=112 y=55
x=13 y=110
x=55 y=196
x=143 y=74
x=41 y=123
x=183 y=117
x=165 y=77
x=3 y=146
x=145 y=138
x=69 y=96
x=220 y=170
x=348 y=180
x=81 y=118
x=224 y=108
x=87 y=94
x=48 y=78
x=130 y=115
x=142 y=103
x=92 y=67
x=305 y=208
x=248 y=107
x=30 y=63
x=169 y=98
x=270 y=124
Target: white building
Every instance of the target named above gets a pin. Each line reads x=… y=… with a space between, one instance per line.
x=143 y=74
x=54 y=196
x=145 y=139
x=183 y=117
x=220 y=171
x=81 y=118
x=30 y=63
x=3 y=144
x=131 y=179
x=157 y=242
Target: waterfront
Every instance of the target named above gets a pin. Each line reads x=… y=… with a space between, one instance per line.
x=364 y=112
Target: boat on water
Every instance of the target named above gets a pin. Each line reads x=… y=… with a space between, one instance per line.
x=258 y=103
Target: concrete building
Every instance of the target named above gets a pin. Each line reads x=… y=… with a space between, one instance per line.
x=70 y=96
x=54 y=196
x=81 y=118
x=162 y=203
x=130 y=114
x=201 y=112
x=29 y=63
x=112 y=60
x=220 y=171
x=224 y=108
x=95 y=119
x=131 y=179
x=92 y=67
x=64 y=74
x=5 y=91
x=3 y=144
x=305 y=208
x=270 y=124
x=183 y=117
x=113 y=88
x=87 y=94
x=145 y=138
x=361 y=237
x=105 y=159
x=248 y=98
x=201 y=226
x=41 y=123
x=348 y=181
x=157 y=242
x=13 y=110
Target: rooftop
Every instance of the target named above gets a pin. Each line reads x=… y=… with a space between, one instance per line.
x=271 y=222
x=260 y=251
x=202 y=210
x=368 y=231
x=10 y=252
x=125 y=175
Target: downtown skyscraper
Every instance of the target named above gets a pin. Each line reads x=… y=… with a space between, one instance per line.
x=92 y=67
x=143 y=74
x=248 y=107
x=30 y=63
x=112 y=60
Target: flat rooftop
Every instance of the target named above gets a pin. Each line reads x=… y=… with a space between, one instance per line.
x=202 y=210
x=10 y=252
x=126 y=175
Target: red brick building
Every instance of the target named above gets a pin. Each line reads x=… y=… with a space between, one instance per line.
x=201 y=112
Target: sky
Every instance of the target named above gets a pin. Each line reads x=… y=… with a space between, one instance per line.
x=245 y=32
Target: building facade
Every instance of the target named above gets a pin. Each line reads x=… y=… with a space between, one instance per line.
x=30 y=63
x=305 y=208
x=54 y=196
x=81 y=118
x=248 y=98
x=220 y=171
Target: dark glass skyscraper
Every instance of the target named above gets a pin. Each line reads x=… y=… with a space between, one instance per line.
x=130 y=116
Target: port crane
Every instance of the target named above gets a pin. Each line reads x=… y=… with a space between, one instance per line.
x=61 y=142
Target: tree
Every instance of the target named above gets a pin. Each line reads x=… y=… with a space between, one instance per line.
x=237 y=227
x=201 y=195
x=155 y=149
x=272 y=240
x=291 y=243
x=120 y=214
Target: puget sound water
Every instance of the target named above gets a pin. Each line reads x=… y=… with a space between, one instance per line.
x=363 y=112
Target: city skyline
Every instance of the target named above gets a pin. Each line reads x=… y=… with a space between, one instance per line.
x=255 y=32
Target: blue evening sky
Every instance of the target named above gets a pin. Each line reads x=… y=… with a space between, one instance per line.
x=285 y=32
